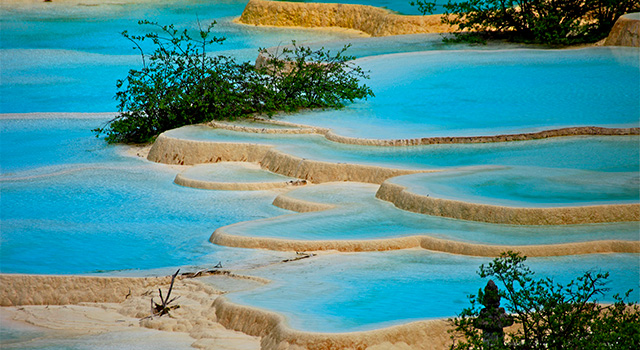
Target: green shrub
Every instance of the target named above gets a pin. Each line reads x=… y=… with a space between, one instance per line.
x=552 y=22
x=551 y=315
x=181 y=84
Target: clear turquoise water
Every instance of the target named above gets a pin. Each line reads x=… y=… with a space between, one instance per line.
x=350 y=292
x=232 y=172
x=67 y=58
x=528 y=186
x=484 y=92
x=359 y=215
x=606 y=154
x=72 y=204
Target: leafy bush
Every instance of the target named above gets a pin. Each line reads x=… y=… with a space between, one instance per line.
x=180 y=84
x=550 y=315
x=554 y=22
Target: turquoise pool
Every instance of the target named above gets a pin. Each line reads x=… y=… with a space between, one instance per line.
x=71 y=204
x=67 y=57
x=471 y=93
x=528 y=186
x=359 y=215
x=351 y=292
x=604 y=153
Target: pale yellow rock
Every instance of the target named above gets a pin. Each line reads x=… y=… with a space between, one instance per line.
x=592 y=247
x=625 y=32
x=108 y=304
x=182 y=180
x=54 y=290
x=171 y=150
x=299 y=205
x=406 y=200
x=371 y=20
x=330 y=135
x=221 y=237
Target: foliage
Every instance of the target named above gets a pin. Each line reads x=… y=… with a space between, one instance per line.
x=180 y=84
x=550 y=315
x=553 y=22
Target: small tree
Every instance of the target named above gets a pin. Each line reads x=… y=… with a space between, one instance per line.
x=181 y=84
x=299 y=77
x=553 y=22
x=550 y=315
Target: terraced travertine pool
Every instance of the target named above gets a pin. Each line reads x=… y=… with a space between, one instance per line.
x=74 y=205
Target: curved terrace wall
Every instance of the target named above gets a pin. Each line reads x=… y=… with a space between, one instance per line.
x=64 y=290
x=276 y=334
x=228 y=186
x=577 y=248
x=171 y=150
x=406 y=200
x=625 y=32
x=368 y=19
x=299 y=205
x=332 y=136
x=221 y=237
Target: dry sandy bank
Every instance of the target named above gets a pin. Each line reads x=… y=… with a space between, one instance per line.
x=89 y=305
x=109 y=304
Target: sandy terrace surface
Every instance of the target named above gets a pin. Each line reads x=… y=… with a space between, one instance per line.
x=195 y=317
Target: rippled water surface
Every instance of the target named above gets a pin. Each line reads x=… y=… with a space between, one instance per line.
x=71 y=204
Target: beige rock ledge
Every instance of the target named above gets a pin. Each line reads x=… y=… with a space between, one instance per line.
x=625 y=32
x=371 y=20
x=171 y=150
x=406 y=200
x=579 y=248
x=229 y=186
x=332 y=136
x=293 y=128
x=221 y=237
x=299 y=205
x=90 y=305
x=188 y=179
x=275 y=334
x=54 y=290
x=109 y=304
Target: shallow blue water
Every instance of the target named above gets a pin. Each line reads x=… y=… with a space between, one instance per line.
x=29 y=144
x=350 y=292
x=528 y=186
x=470 y=93
x=359 y=215
x=607 y=154
x=233 y=172
x=72 y=204
x=67 y=57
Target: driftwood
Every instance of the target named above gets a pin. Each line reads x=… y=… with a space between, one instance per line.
x=164 y=308
x=203 y=272
x=301 y=255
